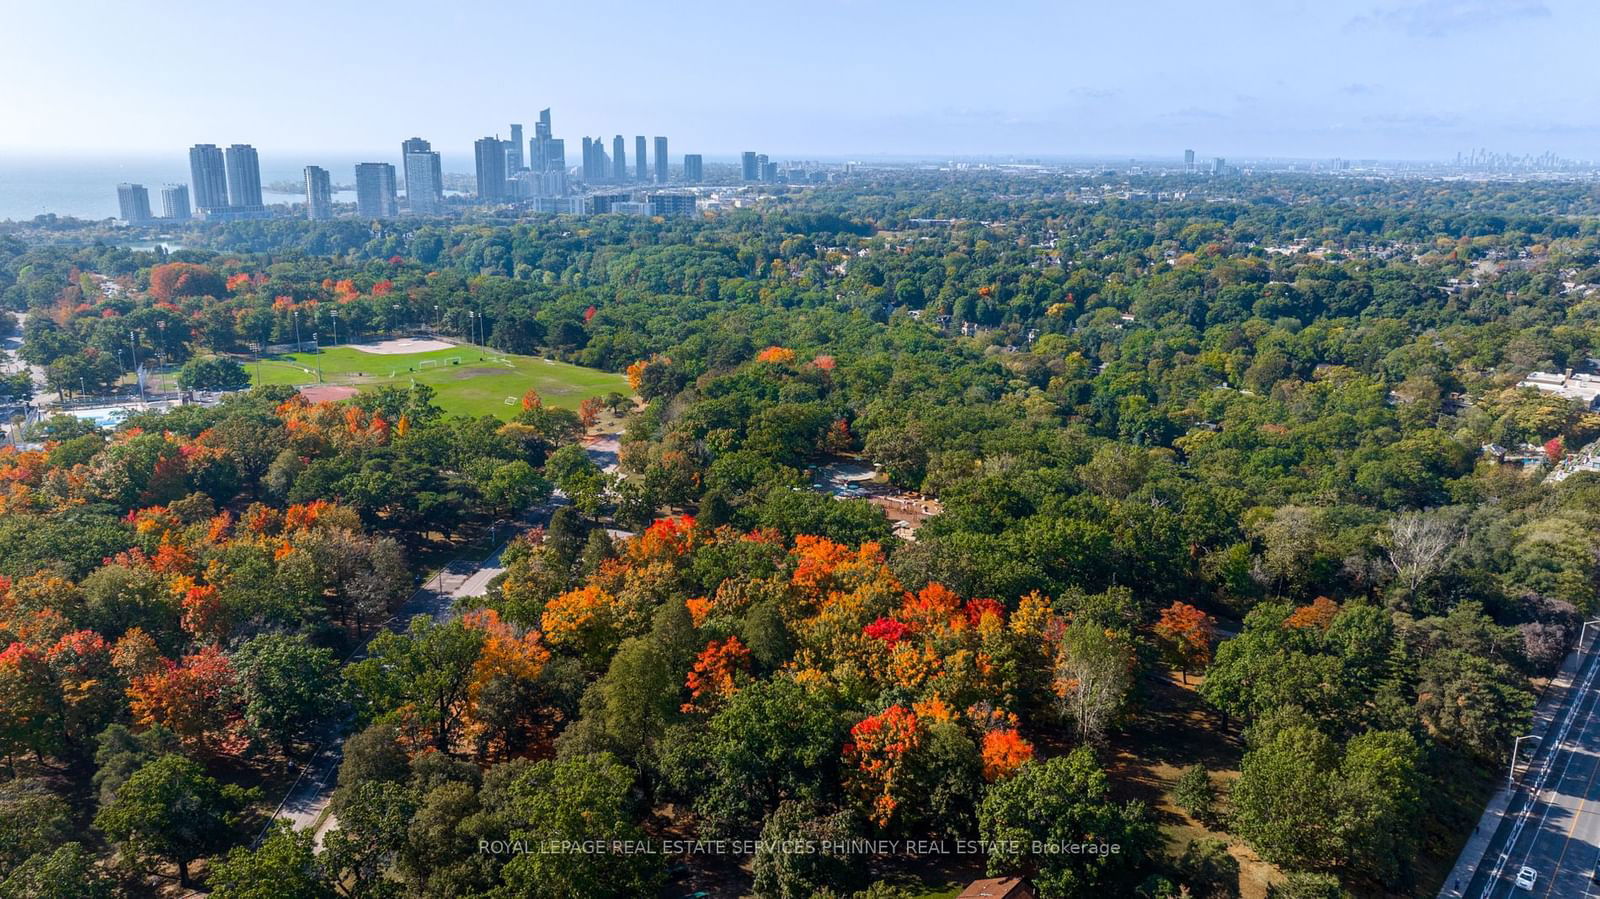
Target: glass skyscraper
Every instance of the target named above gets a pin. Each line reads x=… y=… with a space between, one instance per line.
x=244 y=178
x=319 y=194
x=375 y=190
x=210 y=177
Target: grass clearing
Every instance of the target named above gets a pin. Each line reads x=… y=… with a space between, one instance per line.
x=1175 y=730
x=469 y=380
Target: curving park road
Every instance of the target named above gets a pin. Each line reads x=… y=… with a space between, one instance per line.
x=306 y=804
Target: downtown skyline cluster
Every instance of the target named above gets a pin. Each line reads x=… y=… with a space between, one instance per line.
x=226 y=183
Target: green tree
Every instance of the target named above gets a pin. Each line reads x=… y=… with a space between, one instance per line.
x=170 y=809
x=373 y=819
x=68 y=872
x=1194 y=793
x=1059 y=803
x=782 y=872
x=774 y=740
x=1283 y=801
x=1308 y=885
x=585 y=798
x=283 y=866
x=288 y=687
x=427 y=669
x=513 y=487
x=33 y=819
x=213 y=373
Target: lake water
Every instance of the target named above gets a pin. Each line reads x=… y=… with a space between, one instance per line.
x=86 y=187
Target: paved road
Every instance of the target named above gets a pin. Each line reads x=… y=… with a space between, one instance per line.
x=1551 y=821
x=307 y=801
x=309 y=797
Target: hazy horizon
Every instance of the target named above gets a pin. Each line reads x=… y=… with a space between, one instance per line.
x=1378 y=79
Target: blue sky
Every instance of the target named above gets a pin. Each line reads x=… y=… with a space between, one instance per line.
x=1238 y=78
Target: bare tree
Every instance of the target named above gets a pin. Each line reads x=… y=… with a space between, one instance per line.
x=1094 y=672
x=1419 y=544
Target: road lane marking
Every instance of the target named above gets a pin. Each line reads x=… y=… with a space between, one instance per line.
x=1550 y=804
x=1577 y=817
x=1544 y=773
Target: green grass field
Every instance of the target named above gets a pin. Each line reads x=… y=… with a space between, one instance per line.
x=477 y=384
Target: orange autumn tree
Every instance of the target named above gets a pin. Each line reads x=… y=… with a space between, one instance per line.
x=28 y=716
x=193 y=699
x=665 y=540
x=876 y=756
x=505 y=651
x=1004 y=751
x=589 y=412
x=507 y=655
x=203 y=614
x=932 y=608
x=776 y=355
x=712 y=678
x=1187 y=634
x=839 y=593
x=588 y=621
x=1318 y=615
x=89 y=687
x=135 y=654
x=636 y=371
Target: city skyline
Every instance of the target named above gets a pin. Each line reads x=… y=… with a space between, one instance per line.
x=1386 y=79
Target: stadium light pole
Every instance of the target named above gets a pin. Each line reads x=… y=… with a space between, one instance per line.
x=335 y=314
x=298 y=346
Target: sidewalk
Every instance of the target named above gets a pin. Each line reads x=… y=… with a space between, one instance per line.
x=1551 y=701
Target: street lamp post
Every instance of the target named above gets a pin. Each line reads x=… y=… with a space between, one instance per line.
x=1511 y=776
x=133 y=348
x=1584 y=633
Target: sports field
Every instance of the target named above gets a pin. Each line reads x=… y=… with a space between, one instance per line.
x=468 y=380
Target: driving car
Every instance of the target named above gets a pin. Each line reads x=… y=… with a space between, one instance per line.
x=1526 y=878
